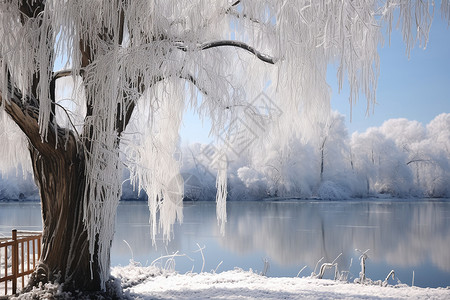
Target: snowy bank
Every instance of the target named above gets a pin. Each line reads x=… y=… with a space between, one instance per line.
x=152 y=283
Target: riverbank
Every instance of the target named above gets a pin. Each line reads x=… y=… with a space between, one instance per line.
x=153 y=283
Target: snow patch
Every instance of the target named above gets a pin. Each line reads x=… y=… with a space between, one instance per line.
x=331 y=191
x=240 y=284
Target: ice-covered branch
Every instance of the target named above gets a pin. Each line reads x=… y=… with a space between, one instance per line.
x=24 y=111
x=68 y=117
x=195 y=82
x=30 y=9
x=208 y=45
x=264 y=57
x=235 y=13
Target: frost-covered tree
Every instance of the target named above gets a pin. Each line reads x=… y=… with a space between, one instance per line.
x=431 y=159
x=332 y=144
x=378 y=161
x=336 y=176
x=135 y=66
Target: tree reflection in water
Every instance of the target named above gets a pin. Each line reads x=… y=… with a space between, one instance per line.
x=401 y=235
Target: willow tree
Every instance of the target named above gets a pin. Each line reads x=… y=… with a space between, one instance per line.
x=135 y=66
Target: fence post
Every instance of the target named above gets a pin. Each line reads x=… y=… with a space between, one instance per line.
x=15 y=261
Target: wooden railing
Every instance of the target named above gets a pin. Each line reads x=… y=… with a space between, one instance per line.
x=18 y=258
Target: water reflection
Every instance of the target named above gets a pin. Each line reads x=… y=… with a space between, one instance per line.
x=405 y=236
x=20 y=216
x=401 y=235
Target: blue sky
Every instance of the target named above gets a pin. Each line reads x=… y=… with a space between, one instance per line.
x=416 y=89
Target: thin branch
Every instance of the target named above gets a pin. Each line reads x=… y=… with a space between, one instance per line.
x=235 y=13
x=68 y=117
x=419 y=160
x=231 y=43
x=236 y=3
x=61 y=74
x=232 y=11
x=192 y=80
x=207 y=22
x=264 y=57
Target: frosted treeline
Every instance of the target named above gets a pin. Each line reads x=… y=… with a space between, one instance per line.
x=402 y=158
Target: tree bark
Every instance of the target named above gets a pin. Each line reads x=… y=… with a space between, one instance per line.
x=65 y=253
x=59 y=172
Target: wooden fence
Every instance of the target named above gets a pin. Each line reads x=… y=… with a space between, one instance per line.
x=18 y=258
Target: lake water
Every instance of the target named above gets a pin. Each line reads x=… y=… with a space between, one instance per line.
x=405 y=236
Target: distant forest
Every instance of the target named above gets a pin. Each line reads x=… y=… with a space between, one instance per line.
x=402 y=158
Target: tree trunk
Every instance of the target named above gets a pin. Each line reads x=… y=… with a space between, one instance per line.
x=60 y=176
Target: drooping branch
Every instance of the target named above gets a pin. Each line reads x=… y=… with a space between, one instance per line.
x=231 y=43
x=68 y=117
x=130 y=96
x=124 y=109
x=123 y=119
x=194 y=81
x=24 y=106
x=123 y=115
x=30 y=9
x=201 y=88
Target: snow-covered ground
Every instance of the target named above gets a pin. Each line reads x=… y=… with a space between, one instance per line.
x=153 y=283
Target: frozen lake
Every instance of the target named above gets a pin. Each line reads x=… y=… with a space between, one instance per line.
x=403 y=235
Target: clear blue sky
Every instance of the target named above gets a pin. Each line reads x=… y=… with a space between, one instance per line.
x=417 y=88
